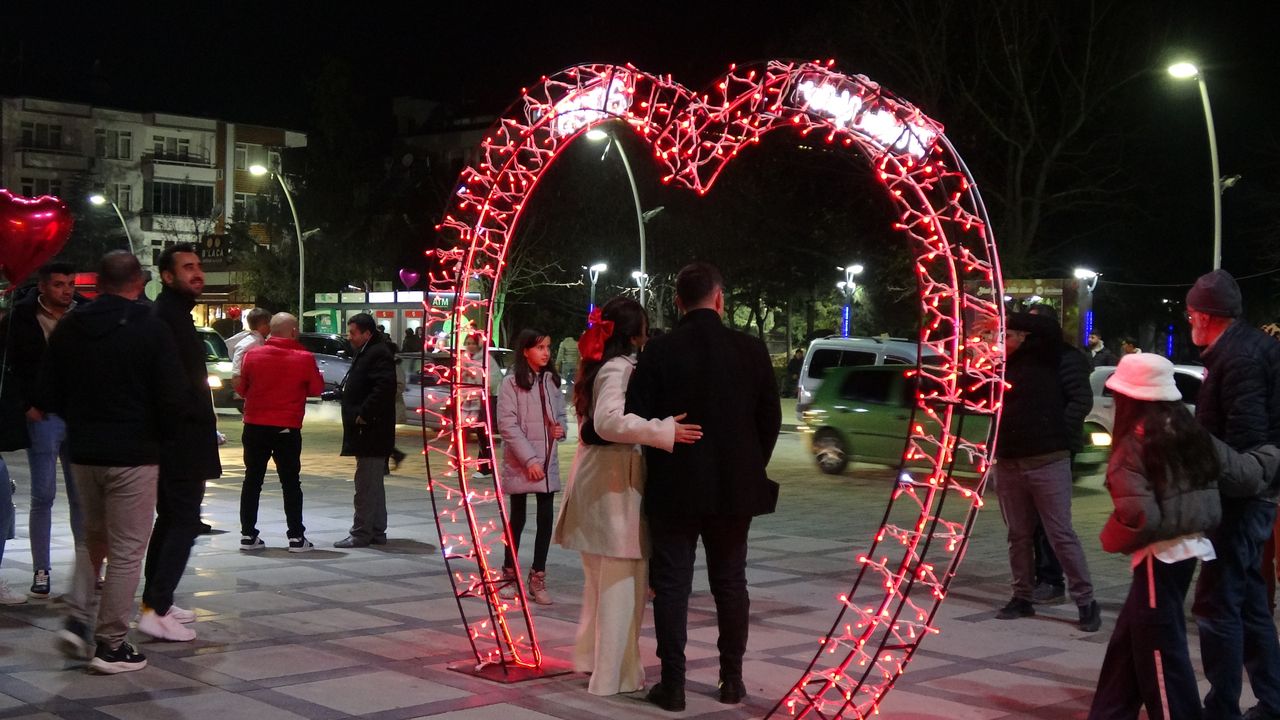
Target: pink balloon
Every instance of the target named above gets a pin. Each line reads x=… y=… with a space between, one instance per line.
x=409 y=277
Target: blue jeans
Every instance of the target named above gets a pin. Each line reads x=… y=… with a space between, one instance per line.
x=1236 y=628
x=48 y=446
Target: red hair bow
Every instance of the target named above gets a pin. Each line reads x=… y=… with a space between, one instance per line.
x=591 y=344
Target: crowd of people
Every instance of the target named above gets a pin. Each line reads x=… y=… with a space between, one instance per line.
x=673 y=443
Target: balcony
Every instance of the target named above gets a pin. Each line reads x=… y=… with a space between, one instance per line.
x=53 y=158
x=181 y=159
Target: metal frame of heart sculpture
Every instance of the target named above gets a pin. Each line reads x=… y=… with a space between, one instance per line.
x=897 y=590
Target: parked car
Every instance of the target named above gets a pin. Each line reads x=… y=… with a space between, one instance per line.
x=333 y=355
x=418 y=384
x=864 y=414
x=218 y=362
x=837 y=352
x=1100 y=421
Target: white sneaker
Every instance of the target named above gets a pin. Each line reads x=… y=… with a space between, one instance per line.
x=164 y=627
x=182 y=616
x=9 y=597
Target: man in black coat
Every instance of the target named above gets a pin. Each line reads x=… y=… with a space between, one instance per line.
x=111 y=371
x=1040 y=426
x=189 y=456
x=711 y=489
x=1239 y=403
x=368 y=428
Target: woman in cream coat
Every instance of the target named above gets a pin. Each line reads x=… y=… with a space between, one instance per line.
x=600 y=516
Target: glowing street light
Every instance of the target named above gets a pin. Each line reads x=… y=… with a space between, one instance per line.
x=258 y=171
x=597 y=134
x=848 y=287
x=593 y=272
x=99 y=199
x=1186 y=71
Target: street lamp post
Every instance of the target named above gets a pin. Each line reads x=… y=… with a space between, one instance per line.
x=259 y=171
x=1088 y=280
x=642 y=280
x=593 y=272
x=849 y=287
x=100 y=199
x=642 y=217
x=1185 y=71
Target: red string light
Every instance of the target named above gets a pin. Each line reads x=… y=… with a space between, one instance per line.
x=896 y=592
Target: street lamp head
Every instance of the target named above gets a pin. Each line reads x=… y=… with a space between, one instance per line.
x=257 y=170
x=596 y=134
x=98 y=199
x=1183 y=70
x=1082 y=273
x=855 y=269
x=598 y=268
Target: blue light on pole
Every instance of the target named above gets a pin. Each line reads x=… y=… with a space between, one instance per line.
x=593 y=272
x=848 y=287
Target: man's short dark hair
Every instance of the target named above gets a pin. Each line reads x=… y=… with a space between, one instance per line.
x=696 y=282
x=117 y=271
x=363 y=322
x=57 y=267
x=166 y=256
x=258 y=317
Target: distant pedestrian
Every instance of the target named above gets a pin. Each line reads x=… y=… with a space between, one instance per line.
x=368 y=429
x=791 y=384
x=1099 y=355
x=1042 y=422
x=1162 y=476
x=532 y=421
x=567 y=359
x=712 y=489
x=1239 y=404
x=114 y=373
x=190 y=453
x=1129 y=346
x=600 y=516
x=411 y=342
x=25 y=333
x=276 y=381
x=13 y=436
x=259 y=322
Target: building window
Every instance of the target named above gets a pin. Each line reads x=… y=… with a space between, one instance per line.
x=35 y=187
x=242 y=156
x=171 y=148
x=124 y=197
x=195 y=201
x=28 y=187
x=273 y=161
x=113 y=144
x=41 y=136
x=250 y=208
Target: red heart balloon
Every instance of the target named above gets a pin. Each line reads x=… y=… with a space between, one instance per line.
x=31 y=232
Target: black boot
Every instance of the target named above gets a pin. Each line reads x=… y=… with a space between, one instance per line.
x=732 y=690
x=668 y=696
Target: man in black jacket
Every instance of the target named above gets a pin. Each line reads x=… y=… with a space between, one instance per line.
x=1041 y=424
x=112 y=373
x=1239 y=403
x=368 y=428
x=26 y=332
x=711 y=489
x=189 y=456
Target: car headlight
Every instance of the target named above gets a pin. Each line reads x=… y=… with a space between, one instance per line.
x=1100 y=438
x=215 y=382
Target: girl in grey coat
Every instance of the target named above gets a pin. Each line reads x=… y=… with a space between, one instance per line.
x=531 y=420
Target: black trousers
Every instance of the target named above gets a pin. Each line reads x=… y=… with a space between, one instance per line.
x=1147 y=662
x=1048 y=569
x=542 y=538
x=284 y=445
x=177 y=526
x=674 y=543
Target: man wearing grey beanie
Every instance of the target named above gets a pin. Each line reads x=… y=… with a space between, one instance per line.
x=1239 y=404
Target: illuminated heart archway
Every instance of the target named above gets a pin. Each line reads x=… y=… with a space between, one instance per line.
x=901 y=581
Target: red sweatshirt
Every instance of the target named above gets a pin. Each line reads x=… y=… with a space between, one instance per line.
x=275 y=381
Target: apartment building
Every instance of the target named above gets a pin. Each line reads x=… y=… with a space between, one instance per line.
x=174 y=178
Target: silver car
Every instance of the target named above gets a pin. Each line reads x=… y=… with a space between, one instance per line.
x=1101 y=420
x=425 y=386
x=333 y=356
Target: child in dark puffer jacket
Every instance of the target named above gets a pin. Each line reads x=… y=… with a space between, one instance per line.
x=1163 y=478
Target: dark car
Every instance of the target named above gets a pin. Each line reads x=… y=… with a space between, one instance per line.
x=218 y=362
x=333 y=356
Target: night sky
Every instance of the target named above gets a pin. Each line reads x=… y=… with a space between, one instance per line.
x=251 y=62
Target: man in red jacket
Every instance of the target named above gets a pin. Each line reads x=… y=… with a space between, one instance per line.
x=275 y=381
